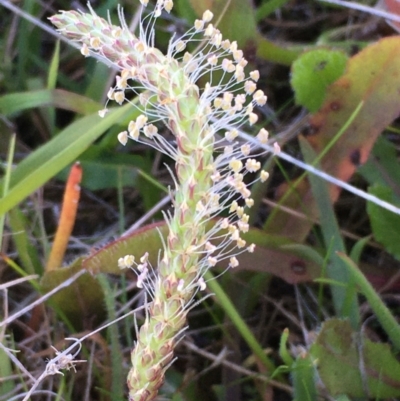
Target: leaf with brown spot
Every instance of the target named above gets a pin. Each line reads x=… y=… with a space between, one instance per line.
x=372 y=79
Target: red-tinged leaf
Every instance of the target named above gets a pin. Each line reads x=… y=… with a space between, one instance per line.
x=372 y=79
x=273 y=254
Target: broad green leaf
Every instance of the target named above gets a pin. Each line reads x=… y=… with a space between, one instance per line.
x=383 y=165
x=313 y=72
x=340 y=352
x=385 y=224
x=62 y=150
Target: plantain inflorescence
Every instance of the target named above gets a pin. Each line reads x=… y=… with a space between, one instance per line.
x=211 y=161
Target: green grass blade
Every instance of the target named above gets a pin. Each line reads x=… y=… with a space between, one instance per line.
x=52 y=157
x=344 y=299
x=385 y=317
x=239 y=323
x=7 y=177
x=19 y=101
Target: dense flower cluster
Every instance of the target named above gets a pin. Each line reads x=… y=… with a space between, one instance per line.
x=211 y=161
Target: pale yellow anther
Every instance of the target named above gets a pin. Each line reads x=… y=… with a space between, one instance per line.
x=249 y=202
x=277 y=148
x=200 y=207
x=232 y=228
x=240 y=99
x=239 y=73
x=260 y=98
x=85 y=50
x=252 y=165
x=264 y=175
x=121 y=82
x=243 y=62
x=133 y=131
x=233 y=262
x=228 y=150
x=126 y=262
x=168 y=5
x=250 y=87
x=237 y=55
x=234 y=206
x=212 y=60
x=243 y=227
x=212 y=261
x=214 y=200
x=123 y=137
x=255 y=75
x=209 y=30
x=199 y=25
x=253 y=118
x=150 y=130
x=216 y=39
x=240 y=211
x=227 y=65
x=210 y=247
x=236 y=165
x=263 y=136
x=228 y=97
x=110 y=94
x=129 y=260
x=231 y=135
x=102 y=112
x=144 y=98
x=235 y=235
x=133 y=72
x=201 y=283
x=187 y=57
x=141 y=121
x=226 y=44
x=139 y=47
x=241 y=243
x=245 y=192
x=245 y=149
x=119 y=96
x=180 y=46
x=125 y=74
x=116 y=33
x=207 y=16
x=233 y=47
x=144 y=258
x=224 y=223
x=95 y=43
x=218 y=102
x=251 y=248
x=144 y=2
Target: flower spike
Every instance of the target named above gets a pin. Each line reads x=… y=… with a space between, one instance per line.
x=205 y=184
